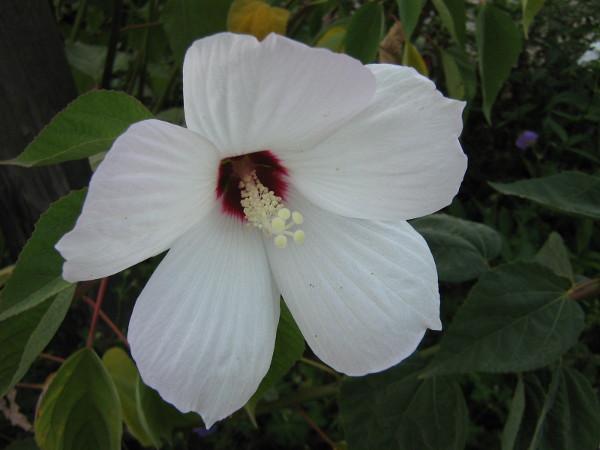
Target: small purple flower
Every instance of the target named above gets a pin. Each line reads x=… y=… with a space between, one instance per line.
x=526 y=139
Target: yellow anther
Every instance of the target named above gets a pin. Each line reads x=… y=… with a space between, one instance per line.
x=297 y=218
x=284 y=213
x=299 y=237
x=278 y=225
x=280 y=241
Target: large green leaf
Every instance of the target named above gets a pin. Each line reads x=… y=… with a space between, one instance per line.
x=37 y=274
x=80 y=409
x=499 y=45
x=88 y=125
x=394 y=410
x=530 y=10
x=555 y=256
x=570 y=192
x=461 y=248
x=517 y=317
x=453 y=16
x=365 y=32
x=409 y=12
x=187 y=20
x=24 y=335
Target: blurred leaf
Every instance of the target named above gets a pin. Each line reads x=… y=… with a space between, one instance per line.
x=26 y=334
x=453 y=16
x=257 y=18
x=555 y=256
x=515 y=416
x=187 y=20
x=459 y=72
x=289 y=347
x=461 y=248
x=517 y=317
x=409 y=12
x=570 y=192
x=365 y=32
x=37 y=274
x=333 y=38
x=88 y=125
x=125 y=376
x=394 y=410
x=498 y=46
x=80 y=409
x=412 y=58
x=23 y=444
x=530 y=10
x=5 y=274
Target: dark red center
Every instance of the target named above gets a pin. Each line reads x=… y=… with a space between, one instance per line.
x=269 y=170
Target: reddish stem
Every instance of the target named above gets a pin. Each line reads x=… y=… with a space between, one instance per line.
x=311 y=423
x=96 y=313
x=50 y=357
x=115 y=329
x=30 y=386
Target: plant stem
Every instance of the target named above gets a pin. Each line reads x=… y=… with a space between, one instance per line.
x=96 y=313
x=320 y=366
x=50 y=357
x=112 y=44
x=115 y=329
x=301 y=396
x=311 y=423
x=78 y=18
x=30 y=386
x=585 y=290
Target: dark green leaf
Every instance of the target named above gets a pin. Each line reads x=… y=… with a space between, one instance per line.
x=409 y=12
x=365 y=32
x=555 y=256
x=188 y=20
x=394 y=410
x=25 y=444
x=570 y=192
x=453 y=16
x=24 y=335
x=498 y=45
x=87 y=126
x=515 y=416
x=517 y=317
x=37 y=274
x=461 y=248
x=80 y=409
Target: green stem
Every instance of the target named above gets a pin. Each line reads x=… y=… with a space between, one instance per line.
x=302 y=396
x=585 y=290
x=320 y=366
x=78 y=19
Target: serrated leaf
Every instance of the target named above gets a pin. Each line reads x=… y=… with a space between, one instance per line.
x=570 y=192
x=555 y=256
x=461 y=248
x=80 y=409
x=185 y=21
x=453 y=16
x=394 y=410
x=409 y=12
x=257 y=18
x=365 y=32
x=37 y=274
x=530 y=9
x=498 y=46
x=412 y=58
x=88 y=125
x=515 y=416
x=24 y=335
x=517 y=317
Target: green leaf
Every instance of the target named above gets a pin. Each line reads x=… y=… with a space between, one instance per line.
x=555 y=256
x=515 y=416
x=453 y=16
x=498 y=45
x=333 y=38
x=125 y=376
x=409 y=12
x=570 y=192
x=516 y=318
x=289 y=347
x=395 y=410
x=88 y=125
x=24 y=335
x=37 y=274
x=461 y=248
x=80 y=409
x=412 y=58
x=187 y=20
x=459 y=71
x=365 y=31
x=530 y=10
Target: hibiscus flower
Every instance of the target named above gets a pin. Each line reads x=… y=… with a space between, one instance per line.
x=295 y=176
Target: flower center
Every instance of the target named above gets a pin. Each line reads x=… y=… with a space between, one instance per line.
x=252 y=187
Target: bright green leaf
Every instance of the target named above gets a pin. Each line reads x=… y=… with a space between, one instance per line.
x=24 y=335
x=37 y=274
x=461 y=248
x=515 y=416
x=333 y=38
x=88 y=125
x=412 y=58
x=498 y=45
x=80 y=409
x=394 y=410
x=570 y=192
x=453 y=16
x=516 y=318
x=555 y=256
x=530 y=10
x=459 y=72
x=409 y=12
x=365 y=31
x=188 y=20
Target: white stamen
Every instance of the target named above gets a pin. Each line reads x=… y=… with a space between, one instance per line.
x=266 y=211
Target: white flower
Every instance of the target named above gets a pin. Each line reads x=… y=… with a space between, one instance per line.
x=347 y=153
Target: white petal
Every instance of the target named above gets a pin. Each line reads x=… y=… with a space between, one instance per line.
x=203 y=330
x=398 y=159
x=363 y=293
x=278 y=94
x=156 y=182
